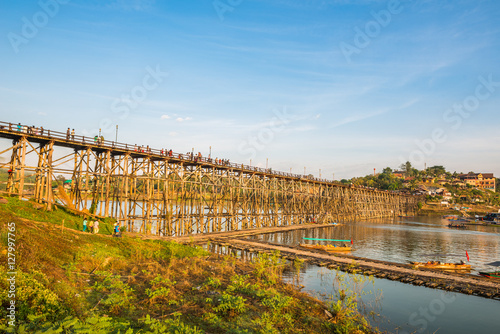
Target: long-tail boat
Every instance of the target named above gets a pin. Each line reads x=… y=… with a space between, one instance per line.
x=494 y=274
x=457 y=225
x=328 y=248
x=440 y=265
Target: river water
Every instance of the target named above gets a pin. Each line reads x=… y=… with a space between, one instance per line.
x=403 y=308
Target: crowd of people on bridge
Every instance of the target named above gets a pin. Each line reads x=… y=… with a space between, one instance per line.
x=31 y=130
x=99 y=140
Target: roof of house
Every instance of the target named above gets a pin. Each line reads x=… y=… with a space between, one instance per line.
x=473 y=176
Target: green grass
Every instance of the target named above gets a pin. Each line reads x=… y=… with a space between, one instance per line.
x=58 y=216
x=74 y=282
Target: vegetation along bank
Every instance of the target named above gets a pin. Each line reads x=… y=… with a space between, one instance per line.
x=73 y=281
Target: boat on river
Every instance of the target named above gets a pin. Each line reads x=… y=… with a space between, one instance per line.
x=440 y=265
x=455 y=218
x=494 y=274
x=328 y=248
x=492 y=218
x=455 y=225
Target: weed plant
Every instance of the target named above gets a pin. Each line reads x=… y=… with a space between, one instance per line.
x=69 y=281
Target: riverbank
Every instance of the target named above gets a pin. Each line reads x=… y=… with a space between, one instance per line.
x=457 y=281
x=435 y=209
x=237 y=241
x=71 y=280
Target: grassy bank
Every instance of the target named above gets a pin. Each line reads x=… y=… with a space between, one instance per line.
x=73 y=282
x=435 y=209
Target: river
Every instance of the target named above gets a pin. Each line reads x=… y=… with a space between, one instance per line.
x=403 y=308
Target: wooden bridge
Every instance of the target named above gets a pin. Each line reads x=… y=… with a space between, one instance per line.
x=165 y=193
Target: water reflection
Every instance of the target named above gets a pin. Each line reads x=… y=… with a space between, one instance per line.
x=418 y=239
x=402 y=308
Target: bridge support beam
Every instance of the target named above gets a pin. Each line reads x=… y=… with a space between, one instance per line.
x=162 y=195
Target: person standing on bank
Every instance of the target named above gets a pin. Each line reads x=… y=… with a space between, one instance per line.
x=84 y=224
x=116 y=230
x=96 y=227
x=91 y=226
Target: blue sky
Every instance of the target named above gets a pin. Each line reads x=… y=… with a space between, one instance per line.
x=341 y=86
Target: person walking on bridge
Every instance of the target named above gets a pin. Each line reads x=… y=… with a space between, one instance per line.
x=73 y=134
x=67 y=134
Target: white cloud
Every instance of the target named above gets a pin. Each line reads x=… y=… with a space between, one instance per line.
x=180 y=119
x=165 y=117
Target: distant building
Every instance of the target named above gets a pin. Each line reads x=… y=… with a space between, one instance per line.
x=479 y=180
x=442 y=181
x=458 y=183
x=447 y=196
x=398 y=173
x=428 y=179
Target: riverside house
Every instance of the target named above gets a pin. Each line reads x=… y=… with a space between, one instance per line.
x=479 y=180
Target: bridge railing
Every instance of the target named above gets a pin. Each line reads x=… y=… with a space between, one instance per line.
x=100 y=142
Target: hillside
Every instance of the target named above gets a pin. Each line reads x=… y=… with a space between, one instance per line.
x=73 y=281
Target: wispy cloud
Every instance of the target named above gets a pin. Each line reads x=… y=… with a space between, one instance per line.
x=357 y=118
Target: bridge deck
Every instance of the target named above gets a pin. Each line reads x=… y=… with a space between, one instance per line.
x=78 y=142
x=177 y=194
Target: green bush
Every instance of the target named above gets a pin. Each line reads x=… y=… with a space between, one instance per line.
x=230 y=305
x=111 y=292
x=32 y=297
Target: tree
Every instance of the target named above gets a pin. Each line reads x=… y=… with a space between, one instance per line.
x=437 y=170
x=407 y=168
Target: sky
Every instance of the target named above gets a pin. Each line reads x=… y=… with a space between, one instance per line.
x=335 y=87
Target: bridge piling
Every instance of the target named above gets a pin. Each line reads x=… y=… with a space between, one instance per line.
x=155 y=193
